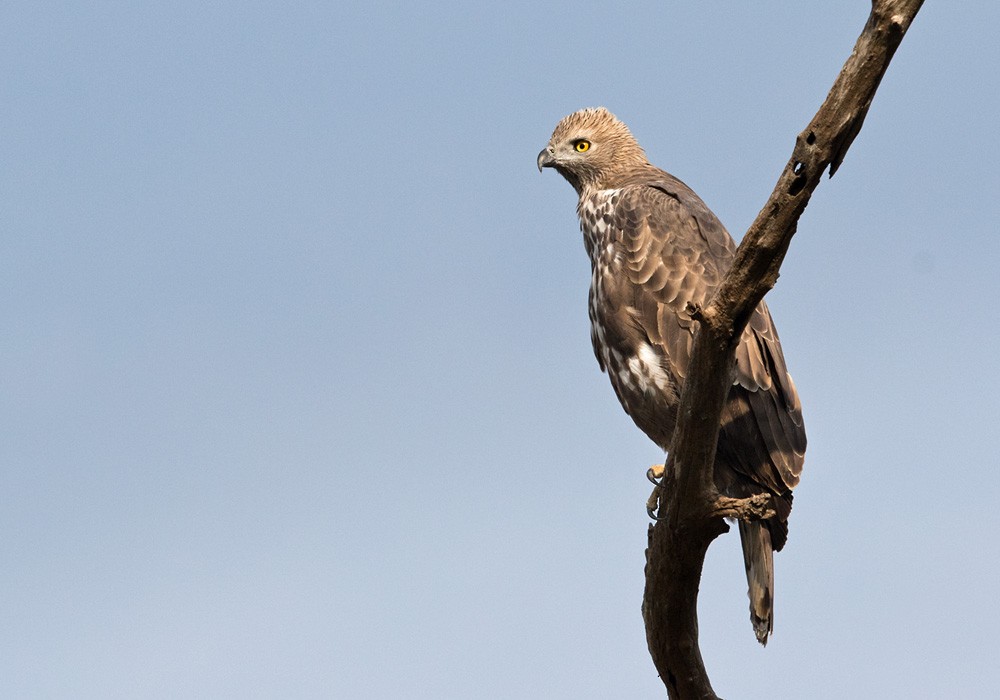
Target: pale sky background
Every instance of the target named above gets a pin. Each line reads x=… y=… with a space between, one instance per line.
x=296 y=385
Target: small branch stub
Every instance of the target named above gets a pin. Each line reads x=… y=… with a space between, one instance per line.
x=757 y=507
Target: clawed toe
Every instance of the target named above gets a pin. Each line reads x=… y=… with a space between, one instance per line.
x=655 y=476
x=655 y=473
x=654 y=501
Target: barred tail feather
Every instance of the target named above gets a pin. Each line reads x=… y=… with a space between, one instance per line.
x=759 y=561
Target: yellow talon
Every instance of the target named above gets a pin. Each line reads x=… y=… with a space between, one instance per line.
x=655 y=473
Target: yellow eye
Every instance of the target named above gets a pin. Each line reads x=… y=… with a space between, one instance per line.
x=582 y=146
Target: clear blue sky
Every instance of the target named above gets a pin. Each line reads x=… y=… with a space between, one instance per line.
x=295 y=379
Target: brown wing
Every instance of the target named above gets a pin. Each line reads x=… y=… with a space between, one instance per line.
x=676 y=252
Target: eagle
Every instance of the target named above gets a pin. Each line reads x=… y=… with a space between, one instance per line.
x=656 y=253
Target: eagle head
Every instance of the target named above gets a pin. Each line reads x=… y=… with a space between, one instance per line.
x=590 y=148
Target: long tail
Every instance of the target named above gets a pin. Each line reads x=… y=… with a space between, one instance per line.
x=758 y=557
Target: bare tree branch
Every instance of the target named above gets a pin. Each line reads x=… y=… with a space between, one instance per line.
x=691 y=509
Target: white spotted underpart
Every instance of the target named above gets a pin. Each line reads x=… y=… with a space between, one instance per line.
x=636 y=368
x=595 y=210
x=647 y=363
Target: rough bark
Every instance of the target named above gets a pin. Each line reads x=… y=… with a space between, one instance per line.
x=691 y=511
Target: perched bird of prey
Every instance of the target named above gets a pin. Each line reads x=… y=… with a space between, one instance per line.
x=654 y=249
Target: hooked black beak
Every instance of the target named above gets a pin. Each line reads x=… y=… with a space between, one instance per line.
x=546 y=159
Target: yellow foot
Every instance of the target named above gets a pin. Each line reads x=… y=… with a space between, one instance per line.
x=655 y=473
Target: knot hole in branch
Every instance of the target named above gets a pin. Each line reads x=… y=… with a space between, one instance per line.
x=799 y=183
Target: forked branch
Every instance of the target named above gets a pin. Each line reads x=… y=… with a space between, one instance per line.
x=691 y=510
